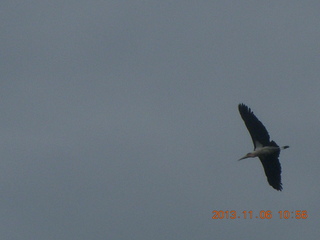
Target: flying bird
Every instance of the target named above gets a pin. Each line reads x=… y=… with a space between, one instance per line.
x=267 y=151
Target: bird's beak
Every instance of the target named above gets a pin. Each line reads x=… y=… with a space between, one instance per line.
x=243 y=158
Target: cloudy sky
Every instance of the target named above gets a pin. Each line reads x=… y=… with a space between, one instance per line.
x=119 y=118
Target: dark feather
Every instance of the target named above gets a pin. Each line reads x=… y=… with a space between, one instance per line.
x=256 y=129
x=272 y=169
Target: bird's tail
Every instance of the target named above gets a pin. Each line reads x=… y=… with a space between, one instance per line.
x=284 y=147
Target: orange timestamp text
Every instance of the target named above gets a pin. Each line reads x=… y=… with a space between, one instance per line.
x=268 y=214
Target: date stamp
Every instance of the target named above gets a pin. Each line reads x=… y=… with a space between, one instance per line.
x=263 y=214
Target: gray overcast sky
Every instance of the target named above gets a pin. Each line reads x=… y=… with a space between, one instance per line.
x=119 y=118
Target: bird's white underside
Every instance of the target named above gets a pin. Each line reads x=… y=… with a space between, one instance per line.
x=258 y=145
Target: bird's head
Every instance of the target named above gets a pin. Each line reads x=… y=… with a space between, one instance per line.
x=248 y=155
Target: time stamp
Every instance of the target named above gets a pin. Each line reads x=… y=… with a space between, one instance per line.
x=267 y=214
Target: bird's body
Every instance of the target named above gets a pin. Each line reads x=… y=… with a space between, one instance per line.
x=267 y=151
x=263 y=151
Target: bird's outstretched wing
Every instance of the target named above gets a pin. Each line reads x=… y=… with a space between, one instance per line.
x=272 y=168
x=258 y=132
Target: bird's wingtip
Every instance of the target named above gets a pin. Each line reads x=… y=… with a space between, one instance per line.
x=277 y=187
x=241 y=105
